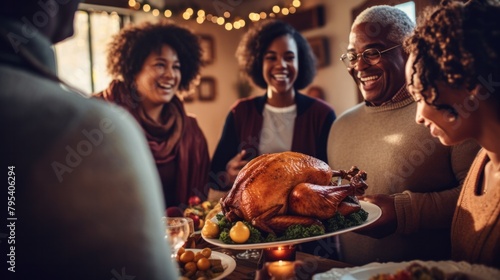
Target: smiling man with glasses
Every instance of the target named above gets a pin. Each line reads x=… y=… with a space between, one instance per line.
x=411 y=177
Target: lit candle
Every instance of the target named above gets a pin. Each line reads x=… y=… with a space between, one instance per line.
x=282 y=253
x=281 y=270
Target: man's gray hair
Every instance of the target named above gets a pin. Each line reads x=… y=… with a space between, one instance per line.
x=385 y=15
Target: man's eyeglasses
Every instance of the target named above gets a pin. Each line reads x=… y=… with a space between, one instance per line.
x=370 y=56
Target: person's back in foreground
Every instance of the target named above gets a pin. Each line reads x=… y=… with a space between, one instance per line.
x=411 y=176
x=87 y=199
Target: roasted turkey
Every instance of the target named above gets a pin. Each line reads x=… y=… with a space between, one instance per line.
x=275 y=191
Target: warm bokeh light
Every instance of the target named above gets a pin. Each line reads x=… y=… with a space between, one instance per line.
x=254 y=17
x=227 y=19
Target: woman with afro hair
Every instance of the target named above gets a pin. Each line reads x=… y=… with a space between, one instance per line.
x=453 y=73
x=150 y=62
x=278 y=59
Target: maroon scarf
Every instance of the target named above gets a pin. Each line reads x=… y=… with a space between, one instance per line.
x=178 y=141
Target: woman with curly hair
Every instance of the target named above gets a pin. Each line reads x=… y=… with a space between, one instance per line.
x=277 y=58
x=149 y=64
x=453 y=73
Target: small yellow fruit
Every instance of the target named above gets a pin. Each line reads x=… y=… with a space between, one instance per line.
x=203 y=264
x=190 y=267
x=198 y=256
x=187 y=256
x=210 y=229
x=207 y=252
x=239 y=233
x=206 y=205
x=181 y=251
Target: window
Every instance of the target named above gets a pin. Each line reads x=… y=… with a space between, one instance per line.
x=81 y=60
x=409 y=9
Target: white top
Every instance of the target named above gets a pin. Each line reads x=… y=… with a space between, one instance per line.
x=277 y=129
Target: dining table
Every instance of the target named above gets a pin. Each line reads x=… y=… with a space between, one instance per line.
x=246 y=268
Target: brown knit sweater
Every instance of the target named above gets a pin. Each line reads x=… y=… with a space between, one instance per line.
x=475 y=233
x=401 y=158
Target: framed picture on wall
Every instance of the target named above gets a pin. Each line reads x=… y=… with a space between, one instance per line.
x=319 y=46
x=206 y=89
x=208 y=51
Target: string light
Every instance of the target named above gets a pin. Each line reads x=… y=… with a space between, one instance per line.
x=224 y=20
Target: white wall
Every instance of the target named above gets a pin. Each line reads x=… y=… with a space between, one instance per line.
x=339 y=88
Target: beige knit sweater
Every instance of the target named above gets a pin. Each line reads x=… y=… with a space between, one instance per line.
x=475 y=233
x=401 y=158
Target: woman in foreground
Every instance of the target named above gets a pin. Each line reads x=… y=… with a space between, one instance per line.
x=453 y=72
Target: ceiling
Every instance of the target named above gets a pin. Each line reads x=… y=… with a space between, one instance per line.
x=237 y=8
